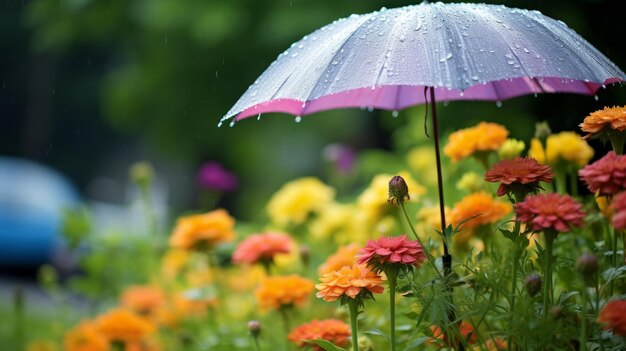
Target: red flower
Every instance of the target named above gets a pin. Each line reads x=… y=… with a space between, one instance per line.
x=332 y=330
x=619 y=205
x=613 y=316
x=607 y=175
x=262 y=247
x=391 y=250
x=550 y=211
x=465 y=329
x=523 y=173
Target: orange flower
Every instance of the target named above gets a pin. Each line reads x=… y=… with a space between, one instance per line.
x=483 y=137
x=284 y=291
x=466 y=330
x=332 y=330
x=143 y=299
x=181 y=307
x=143 y=346
x=123 y=325
x=85 y=337
x=496 y=344
x=262 y=248
x=203 y=231
x=350 y=281
x=599 y=121
x=482 y=204
x=345 y=256
x=613 y=316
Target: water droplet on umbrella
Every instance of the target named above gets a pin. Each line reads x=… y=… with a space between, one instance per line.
x=300 y=46
x=595 y=97
x=258 y=117
x=402 y=38
x=474 y=77
x=444 y=59
x=603 y=86
x=298 y=119
x=219 y=125
x=526 y=51
x=253 y=93
x=498 y=103
x=232 y=124
x=464 y=34
x=419 y=25
x=294 y=54
x=381 y=33
x=395 y=114
x=510 y=62
x=535 y=94
x=461 y=93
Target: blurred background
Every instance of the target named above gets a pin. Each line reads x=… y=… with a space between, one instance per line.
x=90 y=87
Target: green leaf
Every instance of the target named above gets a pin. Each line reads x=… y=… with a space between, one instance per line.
x=416 y=343
x=376 y=332
x=325 y=344
x=613 y=273
x=508 y=234
x=565 y=296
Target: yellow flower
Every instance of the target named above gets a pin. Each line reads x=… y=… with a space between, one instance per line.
x=511 y=149
x=562 y=147
x=471 y=182
x=421 y=161
x=173 y=261
x=283 y=291
x=298 y=199
x=483 y=137
x=334 y=221
x=203 y=231
x=605 y=206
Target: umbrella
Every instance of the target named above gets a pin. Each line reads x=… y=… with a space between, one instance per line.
x=396 y=58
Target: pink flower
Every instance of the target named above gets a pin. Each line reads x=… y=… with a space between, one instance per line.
x=520 y=173
x=607 y=175
x=550 y=211
x=378 y=254
x=619 y=205
x=262 y=247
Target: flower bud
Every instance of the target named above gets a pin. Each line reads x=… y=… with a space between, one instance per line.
x=305 y=254
x=365 y=343
x=141 y=173
x=532 y=283
x=254 y=327
x=511 y=149
x=556 y=312
x=587 y=265
x=398 y=190
x=470 y=182
x=542 y=130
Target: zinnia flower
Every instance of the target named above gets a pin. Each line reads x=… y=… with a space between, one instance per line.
x=345 y=256
x=123 y=326
x=203 y=231
x=85 y=337
x=391 y=251
x=566 y=147
x=467 y=332
x=349 y=282
x=603 y=120
x=613 y=317
x=483 y=137
x=298 y=199
x=143 y=299
x=262 y=248
x=283 y=291
x=619 y=205
x=521 y=174
x=550 y=211
x=482 y=204
x=332 y=330
x=607 y=175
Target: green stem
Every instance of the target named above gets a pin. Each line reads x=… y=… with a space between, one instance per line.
x=574 y=183
x=614 y=264
x=617 y=142
x=547 y=287
x=257 y=347
x=18 y=306
x=285 y=317
x=430 y=258
x=583 y=325
x=392 y=275
x=560 y=181
x=146 y=199
x=353 y=309
x=513 y=291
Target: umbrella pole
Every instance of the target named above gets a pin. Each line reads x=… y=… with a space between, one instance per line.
x=446 y=258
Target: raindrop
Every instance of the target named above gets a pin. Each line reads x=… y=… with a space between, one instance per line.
x=232 y=124
x=370 y=109
x=419 y=25
x=402 y=38
x=395 y=114
x=461 y=93
x=294 y=54
x=381 y=33
x=219 y=125
x=498 y=103
x=298 y=119
x=215 y=74
x=464 y=34
x=258 y=117
x=492 y=51
x=603 y=86
x=253 y=94
x=526 y=51
x=509 y=56
x=595 y=97
x=314 y=38
x=535 y=94
x=444 y=59
x=300 y=46
x=474 y=77
x=510 y=62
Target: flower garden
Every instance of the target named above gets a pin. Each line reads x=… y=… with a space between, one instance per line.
x=536 y=241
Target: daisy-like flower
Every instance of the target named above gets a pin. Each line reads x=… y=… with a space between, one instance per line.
x=332 y=330
x=143 y=299
x=396 y=251
x=609 y=118
x=283 y=291
x=550 y=211
x=349 y=282
x=613 y=317
x=482 y=206
x=262 y=248
x=607 y=175
x=123 y=326
x=203 y=231
x=520 y=175
x=619 y=206
x=85 y=337
x=484 y=137
x=345 y=256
